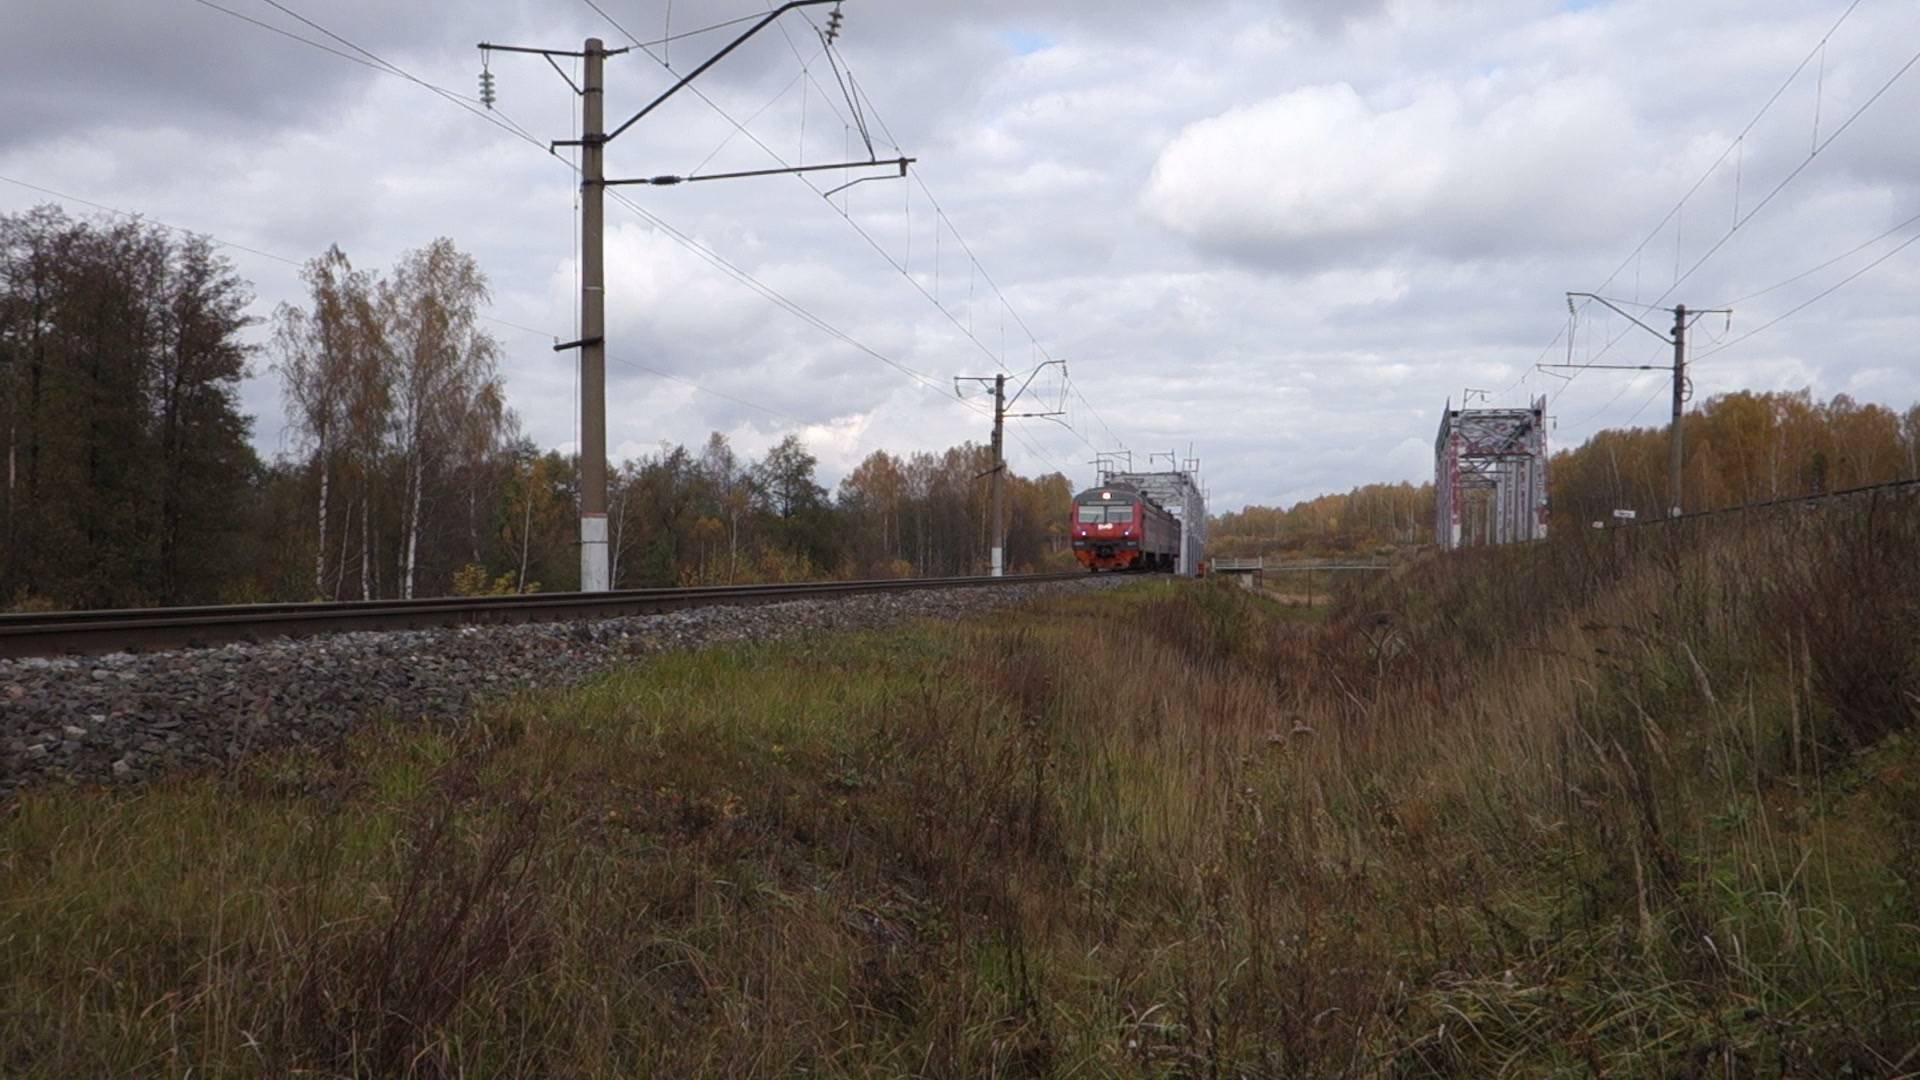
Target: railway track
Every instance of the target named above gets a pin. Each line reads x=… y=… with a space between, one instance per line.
x=145 y=629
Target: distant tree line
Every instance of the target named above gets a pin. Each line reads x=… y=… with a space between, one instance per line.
x=1368 y=518
x=131 y=478
x=1739 y=448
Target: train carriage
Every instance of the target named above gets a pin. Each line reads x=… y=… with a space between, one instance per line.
x=1117 y=527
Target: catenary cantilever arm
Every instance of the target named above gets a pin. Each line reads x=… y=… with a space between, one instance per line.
x=1629 y=317
x=712 y=60
x=668 y=181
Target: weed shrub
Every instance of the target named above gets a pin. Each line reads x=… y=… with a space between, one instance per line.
x=1640 y=803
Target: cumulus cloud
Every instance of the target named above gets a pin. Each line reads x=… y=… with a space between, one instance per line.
x=1322 y=173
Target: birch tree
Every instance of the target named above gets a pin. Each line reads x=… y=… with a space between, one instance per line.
x=366 y=427
x=730 y=484
x=444 y=374
x=319 y=353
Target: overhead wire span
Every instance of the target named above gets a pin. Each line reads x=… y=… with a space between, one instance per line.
x=1732 y=145
x=142 y=217
x=1036 y=451
x=1564 y=327
x=494 y=116
x=706 y=254
x=1810 y=301
x=1595 y=414
x=942 y=217
x=463 y=100
x=728 y=140
x=1658 y=393
x=1818 y=148
x=775 y=296
x=667 y=37
x=283 y=32
x=742 y=129
x=1810 y=271
x=1736 y=144
x=1797 y=170
x=855 y=96
x=1006 y=305
x=1626 y=387
x=509 y=323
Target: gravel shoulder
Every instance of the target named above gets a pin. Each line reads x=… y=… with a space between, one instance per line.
x=127 y=717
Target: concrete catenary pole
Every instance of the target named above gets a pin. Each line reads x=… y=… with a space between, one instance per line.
x=594 y=576
x=1675 y=441
x=1679 y=403
x=593 y=140
x=999 y=476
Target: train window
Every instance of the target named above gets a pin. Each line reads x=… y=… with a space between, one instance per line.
x=1119 y=513
x=1092 y=515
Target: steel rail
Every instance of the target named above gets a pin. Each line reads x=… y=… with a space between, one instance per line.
x=138 y=629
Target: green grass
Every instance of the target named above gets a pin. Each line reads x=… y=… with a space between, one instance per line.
x=1652 y=817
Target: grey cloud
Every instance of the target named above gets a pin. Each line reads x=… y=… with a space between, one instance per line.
x=1298 y=358
x=69 y=67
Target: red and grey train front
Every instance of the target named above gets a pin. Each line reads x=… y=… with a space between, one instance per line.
x=1116 y=528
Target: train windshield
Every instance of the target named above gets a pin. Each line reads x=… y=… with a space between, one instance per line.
x=1095 y=513
x=1120 y=513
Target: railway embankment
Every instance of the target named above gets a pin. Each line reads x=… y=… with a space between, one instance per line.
x=1636 y=803
x=125 y=717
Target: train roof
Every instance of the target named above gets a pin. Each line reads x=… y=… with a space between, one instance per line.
x=1118 y=487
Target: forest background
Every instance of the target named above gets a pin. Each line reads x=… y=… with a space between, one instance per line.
x=131 y=478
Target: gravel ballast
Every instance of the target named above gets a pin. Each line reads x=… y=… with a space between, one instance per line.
x=127 y=717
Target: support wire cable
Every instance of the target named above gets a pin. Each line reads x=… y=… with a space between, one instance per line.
x=509 y=323
x=1809 y=272
x=774 y=296
x=713 y=258
x=1798 y=169
x=182 y=230
x=858 y=95
x=1737 y=144
x=672 y=233
x=854 y=95
x=290 y=34
x=668 y=376
x=472 y=105
x=465 y=101
x=776 y=156
x=1811 y=300
x=1788 y=179
x=941 y=215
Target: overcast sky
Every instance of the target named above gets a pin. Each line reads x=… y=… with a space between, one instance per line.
x=1282 y=233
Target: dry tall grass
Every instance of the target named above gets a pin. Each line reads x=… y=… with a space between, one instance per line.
x=1643 y=803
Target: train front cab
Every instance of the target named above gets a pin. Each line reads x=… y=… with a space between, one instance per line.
x=1107 y=531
